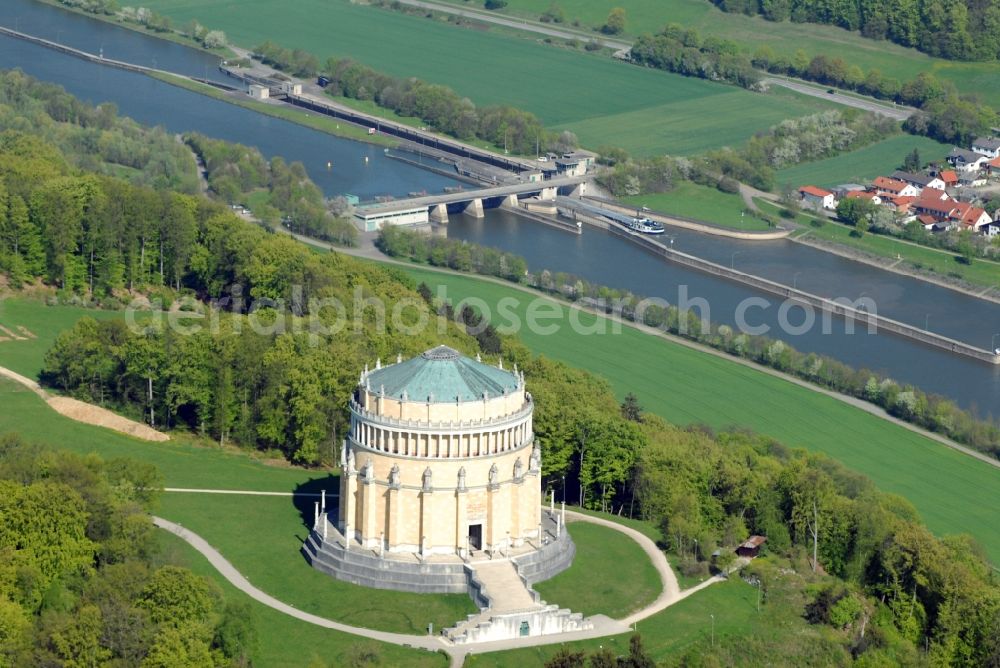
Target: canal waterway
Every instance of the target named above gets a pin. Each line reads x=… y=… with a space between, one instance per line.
x=596 y=256
x=604 y=258
x=355 y=168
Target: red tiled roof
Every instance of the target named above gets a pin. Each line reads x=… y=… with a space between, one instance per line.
x=995 y=162
x=889 y=185
x=926 y=219
x=972 y=215
x=814 y=191
x=861 y=194
x=949 y=176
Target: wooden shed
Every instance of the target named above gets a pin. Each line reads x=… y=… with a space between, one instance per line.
x=751 y=546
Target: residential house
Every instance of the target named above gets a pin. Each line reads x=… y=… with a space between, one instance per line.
x=817 y=198
x=950 y=214
x=967 y=161
x=988 y=146
x=872 y=197
x=919 y=181
x=901 y=206
x=993 y=166
x=894 y=187
x=841 y=191
x=750 y=548
x=972 y=218
x=949 y=177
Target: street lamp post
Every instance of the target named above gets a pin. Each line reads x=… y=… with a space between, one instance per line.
x=795 y=280
x=927 y=322
x=713 y=629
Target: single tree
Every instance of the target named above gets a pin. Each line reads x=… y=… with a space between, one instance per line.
x=631 y=410
x=615 y=23
x=912 y=162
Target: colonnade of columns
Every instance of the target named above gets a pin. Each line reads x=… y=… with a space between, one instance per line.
x=440 y=444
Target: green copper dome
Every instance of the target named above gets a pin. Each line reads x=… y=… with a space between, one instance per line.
x=441 y=375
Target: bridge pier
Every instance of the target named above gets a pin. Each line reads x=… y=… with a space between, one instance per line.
x=474 y=208
x=509 y=202
x=547 y=194
x=579 y=190
x=439 y=214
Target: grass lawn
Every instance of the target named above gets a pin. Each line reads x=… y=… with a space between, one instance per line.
x=595 y=583
x=862 y=165
x=675 y=629
x=27 y=355
x=691 y=200
x=286 y=641
x=952 y=492
x=180 y=460
x=785 y=38
x=261 y=536
x=604 y=101
x=980 y=272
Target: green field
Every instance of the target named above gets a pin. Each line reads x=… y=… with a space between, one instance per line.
x=783 y=38
x=593 y=584
x=862 y=165
x=953 y=492
x=284 y=641
x=604 y=101
x=261 y=536
x=981 y=272
x=711 y=205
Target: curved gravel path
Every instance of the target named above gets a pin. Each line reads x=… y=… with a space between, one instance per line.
x=603 y=626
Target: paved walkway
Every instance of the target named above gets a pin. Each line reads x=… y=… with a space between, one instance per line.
x=603 y=625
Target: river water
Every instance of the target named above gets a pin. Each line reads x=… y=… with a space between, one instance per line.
x=595 y=255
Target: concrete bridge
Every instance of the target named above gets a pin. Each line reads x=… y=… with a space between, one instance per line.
x=435 y=208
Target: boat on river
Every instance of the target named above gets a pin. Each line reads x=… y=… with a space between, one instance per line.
x=643 y=225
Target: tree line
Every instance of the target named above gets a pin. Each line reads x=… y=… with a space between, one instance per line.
x=455 y=254
x=944 y=114
x=444 y=109
x=793 y=141
x=954 y=29
x=83 y=580
x=236 y=172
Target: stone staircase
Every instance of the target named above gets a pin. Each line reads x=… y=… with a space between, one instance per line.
x=515 y=609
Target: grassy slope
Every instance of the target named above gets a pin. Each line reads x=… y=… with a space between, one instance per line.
x=603 y=100
x=783 y=38
x=593 y=584
x=980 y=272
x=953 y=492
x=864 y=164
x=285 y=641
x=262 y=540
x=182 y=463
x=703 y=203
x=26 y=356
x=678 y=627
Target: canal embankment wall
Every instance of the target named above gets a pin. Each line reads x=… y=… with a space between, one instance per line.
x=843 y=309
x=694 y=225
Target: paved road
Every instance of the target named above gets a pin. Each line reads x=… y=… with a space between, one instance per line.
x=603 y=626
x=813 y=90
x=895 y=111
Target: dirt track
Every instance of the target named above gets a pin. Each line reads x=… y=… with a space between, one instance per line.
x=87 y=413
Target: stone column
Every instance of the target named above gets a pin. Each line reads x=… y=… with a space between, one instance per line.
x=349 y=505
x=369 y=514
x=461 y=515
x=395 y=516
x=426 y=518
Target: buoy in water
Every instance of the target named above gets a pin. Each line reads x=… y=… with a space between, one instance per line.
x=329 y=164
x=366 y=158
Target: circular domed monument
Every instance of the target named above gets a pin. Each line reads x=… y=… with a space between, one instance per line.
x=444 y=457
x=440 y=475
